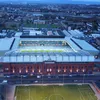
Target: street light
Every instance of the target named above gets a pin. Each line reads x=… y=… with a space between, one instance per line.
x=83 y=78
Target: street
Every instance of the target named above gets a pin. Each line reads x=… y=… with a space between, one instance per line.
x=40 y=79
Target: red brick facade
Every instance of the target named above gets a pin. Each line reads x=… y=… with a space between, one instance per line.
x=47 y=68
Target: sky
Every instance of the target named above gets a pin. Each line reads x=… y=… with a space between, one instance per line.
x=55 y=1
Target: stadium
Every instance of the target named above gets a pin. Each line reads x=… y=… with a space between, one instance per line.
x=47 y=55
x=40 y=56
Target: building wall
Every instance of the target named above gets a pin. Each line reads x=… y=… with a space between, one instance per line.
x=96 y=87
x=46 y=68
x=97 y=68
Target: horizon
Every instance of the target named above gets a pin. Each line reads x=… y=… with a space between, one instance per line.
x=53 y=2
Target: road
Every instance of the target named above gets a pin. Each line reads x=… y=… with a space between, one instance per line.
x=50 y=79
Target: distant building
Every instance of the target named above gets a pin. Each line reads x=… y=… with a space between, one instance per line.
x=39 y=22
x=96 y=35
x=37 y=14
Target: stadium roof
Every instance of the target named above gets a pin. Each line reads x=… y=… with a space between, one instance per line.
x=6 y=43
x=76 y=33
x=18 y=34
x=76 y=51
x=40 y=57
x=72 y=44
x=67 y=33
x=85 y=46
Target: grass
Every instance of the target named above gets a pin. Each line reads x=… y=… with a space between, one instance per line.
x=30 y=50
x=66 y=92
x=41 y=25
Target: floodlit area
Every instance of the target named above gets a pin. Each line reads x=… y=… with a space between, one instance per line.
x=55 y=92
x=28 y=43
x=44 y=46
x=42 y=50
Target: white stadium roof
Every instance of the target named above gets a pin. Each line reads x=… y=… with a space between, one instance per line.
x=40 y=57
x=5 y=43
x=72 y=44
x=18 y=34
x=76 y=33
x=86 y=46
x=77 y=53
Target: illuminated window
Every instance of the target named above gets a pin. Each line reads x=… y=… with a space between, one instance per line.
x=83 y=70
x=20 y=71
x=58 y=70
x=6 y=69
x=71 y=70
x=50 y=70
x=26 y=70
x=64 y=70
x=47 y=70
x=39 y=70
x=33 y=70
x=13 y=71
x=77 y=70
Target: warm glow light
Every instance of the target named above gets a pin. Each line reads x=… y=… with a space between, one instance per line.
x=20 y=71
x=58 y=70
x=64 y=70
x=39 y=70
x=13 y=71
x=77 y=70
x=83 y=70
x=71 y=70
x=33 y=70
x=50 y=70
x=26 y=71
x=47 y=70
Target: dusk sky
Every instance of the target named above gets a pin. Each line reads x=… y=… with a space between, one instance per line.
x=54 y=1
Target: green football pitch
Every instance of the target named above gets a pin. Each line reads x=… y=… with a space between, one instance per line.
x=55 y=92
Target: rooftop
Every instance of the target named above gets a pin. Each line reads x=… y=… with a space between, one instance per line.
x=5 y=44
x=40 y=48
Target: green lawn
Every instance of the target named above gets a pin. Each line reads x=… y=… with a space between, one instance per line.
x=41 y=25
x=30 y=50
x=66 y=92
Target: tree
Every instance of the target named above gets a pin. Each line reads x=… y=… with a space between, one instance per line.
x=95 y=25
